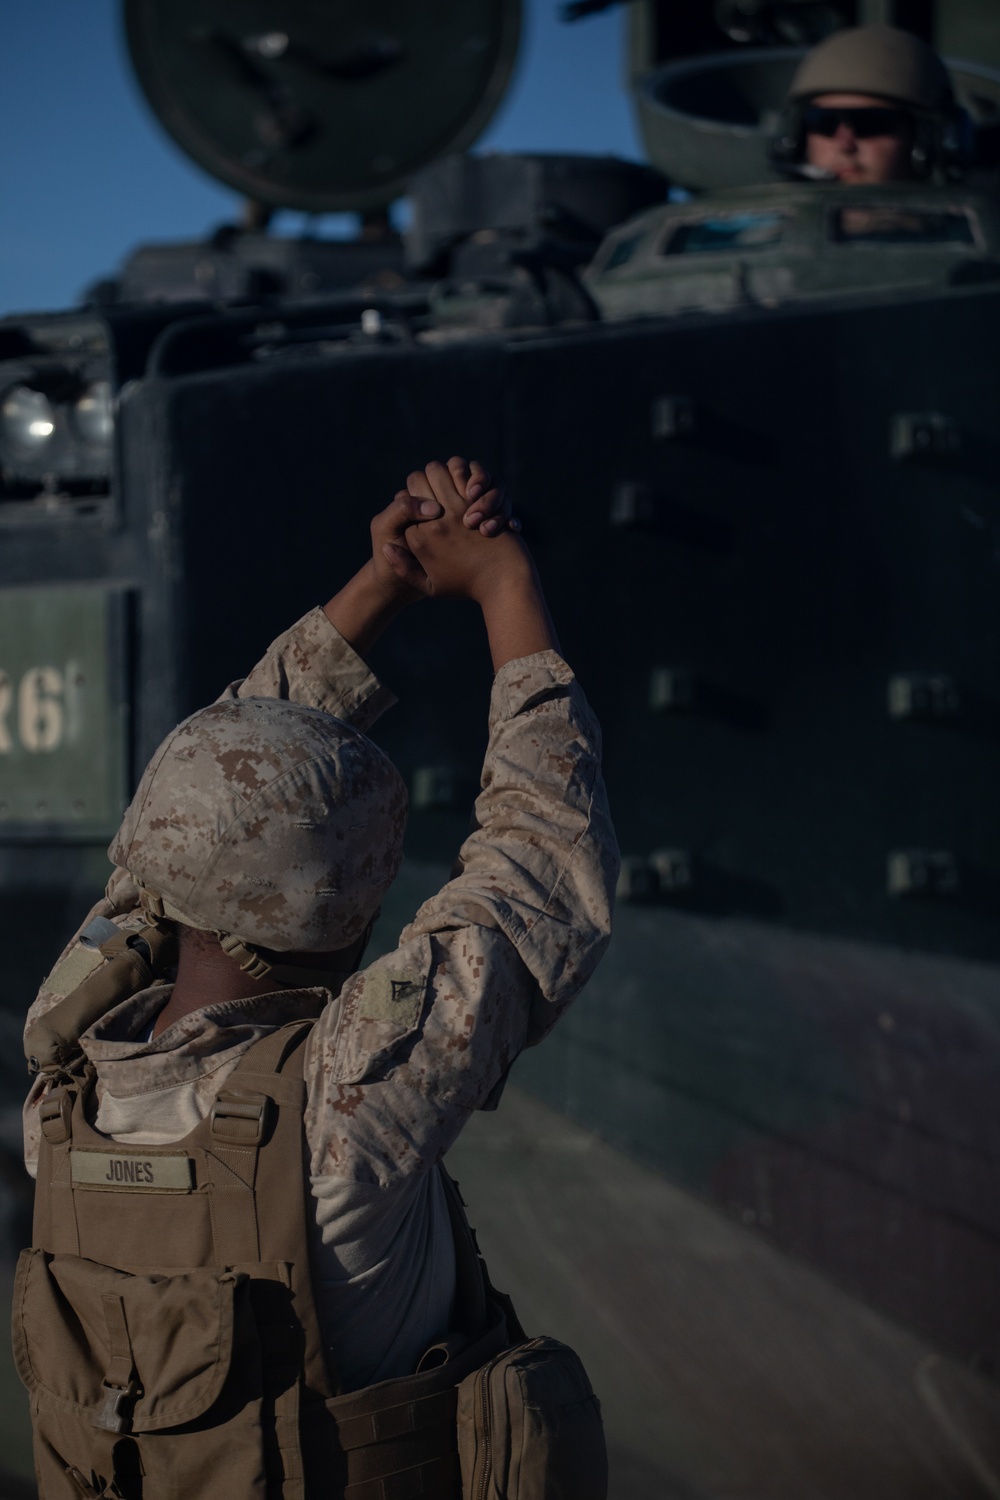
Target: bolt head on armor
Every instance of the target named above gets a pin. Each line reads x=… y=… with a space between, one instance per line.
x=268 y=820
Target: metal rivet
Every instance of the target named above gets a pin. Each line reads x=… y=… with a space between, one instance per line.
x=435 y=789
x=672 y=417
x=671 y=689
x=637 y=880
x=632 y=504
x=371 y=322
x=674 y=870
x=930 y=434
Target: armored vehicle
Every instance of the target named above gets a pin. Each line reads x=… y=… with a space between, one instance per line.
x=750 y=433
x=769 y=246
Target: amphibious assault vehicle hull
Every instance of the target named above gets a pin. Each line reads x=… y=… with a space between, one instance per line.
x=784 y=608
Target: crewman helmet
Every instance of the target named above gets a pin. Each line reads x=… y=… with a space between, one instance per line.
x=878 y=60
x=885 y=63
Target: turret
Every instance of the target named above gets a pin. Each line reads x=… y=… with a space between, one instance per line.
x=710 y=81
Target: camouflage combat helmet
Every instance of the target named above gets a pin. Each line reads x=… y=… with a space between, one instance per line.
x=268 y=823
x=877 y=60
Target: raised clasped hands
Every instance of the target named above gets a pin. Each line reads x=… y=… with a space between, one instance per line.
x=443 y=553
x=449 y=534
x=481 y=508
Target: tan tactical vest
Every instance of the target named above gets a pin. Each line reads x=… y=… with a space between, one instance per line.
x=164 y=1321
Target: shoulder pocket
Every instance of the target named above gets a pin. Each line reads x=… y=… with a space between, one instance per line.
x=380 y=1008
x=72 y=969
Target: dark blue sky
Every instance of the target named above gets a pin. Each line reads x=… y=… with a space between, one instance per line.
x=86 y=172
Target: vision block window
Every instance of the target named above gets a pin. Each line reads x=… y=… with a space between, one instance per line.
x=727 y=232
x=623 y=251
x=873 y=225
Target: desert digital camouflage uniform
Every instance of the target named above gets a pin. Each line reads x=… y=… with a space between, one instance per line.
x=485 y=968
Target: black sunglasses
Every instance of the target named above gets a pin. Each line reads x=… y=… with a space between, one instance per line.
x=865 y=122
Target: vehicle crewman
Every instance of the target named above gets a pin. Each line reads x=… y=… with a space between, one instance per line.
x=871 y=104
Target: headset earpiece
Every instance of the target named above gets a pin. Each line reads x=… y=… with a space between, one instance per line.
x=957 y=142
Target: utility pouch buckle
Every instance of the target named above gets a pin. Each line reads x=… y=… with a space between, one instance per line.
x=54 y=1115
x=115 y=1412
x=240 y=1118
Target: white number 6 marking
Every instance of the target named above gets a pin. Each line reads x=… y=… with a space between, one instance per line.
x=6 y=697
x=39 y=708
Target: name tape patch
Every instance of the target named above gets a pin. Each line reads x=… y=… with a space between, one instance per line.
x=122 y=1171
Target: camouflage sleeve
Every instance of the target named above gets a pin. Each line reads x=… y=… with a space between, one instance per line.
x=311 y=663
x=542 y=862
x=422 y=1037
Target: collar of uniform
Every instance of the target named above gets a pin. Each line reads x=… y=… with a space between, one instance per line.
x=196 y=1044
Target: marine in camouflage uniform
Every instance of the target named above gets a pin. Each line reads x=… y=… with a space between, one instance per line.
x=271 y=818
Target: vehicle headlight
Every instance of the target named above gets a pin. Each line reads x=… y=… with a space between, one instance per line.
x=27 y=419
x=93 y=416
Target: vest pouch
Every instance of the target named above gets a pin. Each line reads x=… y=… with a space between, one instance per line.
x=119 y=1366
x=529 y=1428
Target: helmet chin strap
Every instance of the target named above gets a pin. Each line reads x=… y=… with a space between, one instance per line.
x=296 y=976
